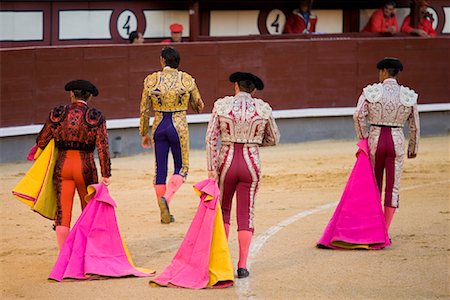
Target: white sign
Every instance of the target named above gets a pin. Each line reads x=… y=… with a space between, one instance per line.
x=126 y=23
x=275 y=21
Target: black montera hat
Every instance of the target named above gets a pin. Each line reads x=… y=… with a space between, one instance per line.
x=82 y=85
x=390 y=63
x=241 y=76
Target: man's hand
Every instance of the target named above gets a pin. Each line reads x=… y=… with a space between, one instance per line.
x=200 y=106
x=420 y=32
x=105 y=180
x=391 y=29
x=212 y=175
x=411 y=154
x=146 y=142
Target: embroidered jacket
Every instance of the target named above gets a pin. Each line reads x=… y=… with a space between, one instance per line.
x=388 y=104
x=239 y=119
x=76 y=126
x=168 y=90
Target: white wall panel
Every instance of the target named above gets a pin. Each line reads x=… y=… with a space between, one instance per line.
x=329 y=21
x=446 y=28
x=158 y=22
x=84 y=24
x=232 y=23
x=21 y=25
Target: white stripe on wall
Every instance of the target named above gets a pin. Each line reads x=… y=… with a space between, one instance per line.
x=21 y=26
x=204 y=118
x=84 y=24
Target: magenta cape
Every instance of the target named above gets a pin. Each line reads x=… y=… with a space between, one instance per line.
x=203 y=259
x=94 y=245
x=358 y=221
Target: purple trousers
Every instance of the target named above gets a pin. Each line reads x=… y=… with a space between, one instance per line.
x=166 y=138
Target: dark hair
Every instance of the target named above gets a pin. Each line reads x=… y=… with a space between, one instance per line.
x=171 y=56
x=392 y=3
x=133 y=35
x=246 y=86
x=393 y=72
x=81 y=94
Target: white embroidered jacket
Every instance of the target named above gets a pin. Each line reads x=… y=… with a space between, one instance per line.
x=388 y=104
x=240 y=119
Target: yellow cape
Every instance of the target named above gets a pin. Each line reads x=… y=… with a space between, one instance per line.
x=220 y=267
x=36 y=188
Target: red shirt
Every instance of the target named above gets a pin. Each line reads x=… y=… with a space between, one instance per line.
x=296 y=24
x=424 y=24
x=378 y=23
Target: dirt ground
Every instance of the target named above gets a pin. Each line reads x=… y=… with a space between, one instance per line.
x=298 y=180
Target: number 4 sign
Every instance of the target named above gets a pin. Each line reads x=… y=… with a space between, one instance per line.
x=126 y=23
x=275 y=21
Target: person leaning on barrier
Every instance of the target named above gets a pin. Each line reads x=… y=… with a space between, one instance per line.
x=383 y=20
x=301 y=20
x=425 y=25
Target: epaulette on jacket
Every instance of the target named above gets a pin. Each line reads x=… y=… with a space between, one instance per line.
x=93 y=117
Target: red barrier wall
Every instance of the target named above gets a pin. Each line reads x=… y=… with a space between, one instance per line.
x=297 y=73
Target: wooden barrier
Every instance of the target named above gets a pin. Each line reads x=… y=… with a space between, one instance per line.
x=317 y=73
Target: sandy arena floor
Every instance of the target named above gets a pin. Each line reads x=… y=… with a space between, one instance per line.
x=298 y=181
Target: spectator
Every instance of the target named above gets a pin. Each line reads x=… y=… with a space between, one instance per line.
x=176 y=33
x=425 y=25
x=383 y=20
x=136 y=38
x=301 y=20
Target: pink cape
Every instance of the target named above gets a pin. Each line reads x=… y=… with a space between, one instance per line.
x=191 y=266
x=358 y=219
x=94 y=245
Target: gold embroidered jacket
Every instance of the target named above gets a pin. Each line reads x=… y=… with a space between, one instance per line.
x=168 y=90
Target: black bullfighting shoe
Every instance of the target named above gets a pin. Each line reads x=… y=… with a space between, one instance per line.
x=243 y=273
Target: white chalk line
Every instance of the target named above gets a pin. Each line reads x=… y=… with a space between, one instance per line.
x=243 y=285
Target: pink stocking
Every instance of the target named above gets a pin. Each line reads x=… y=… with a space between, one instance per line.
x=245 y=238
x=175 y=183
x=388 y=215
x=160 y=189
x=61 y=235
x=227 y=229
